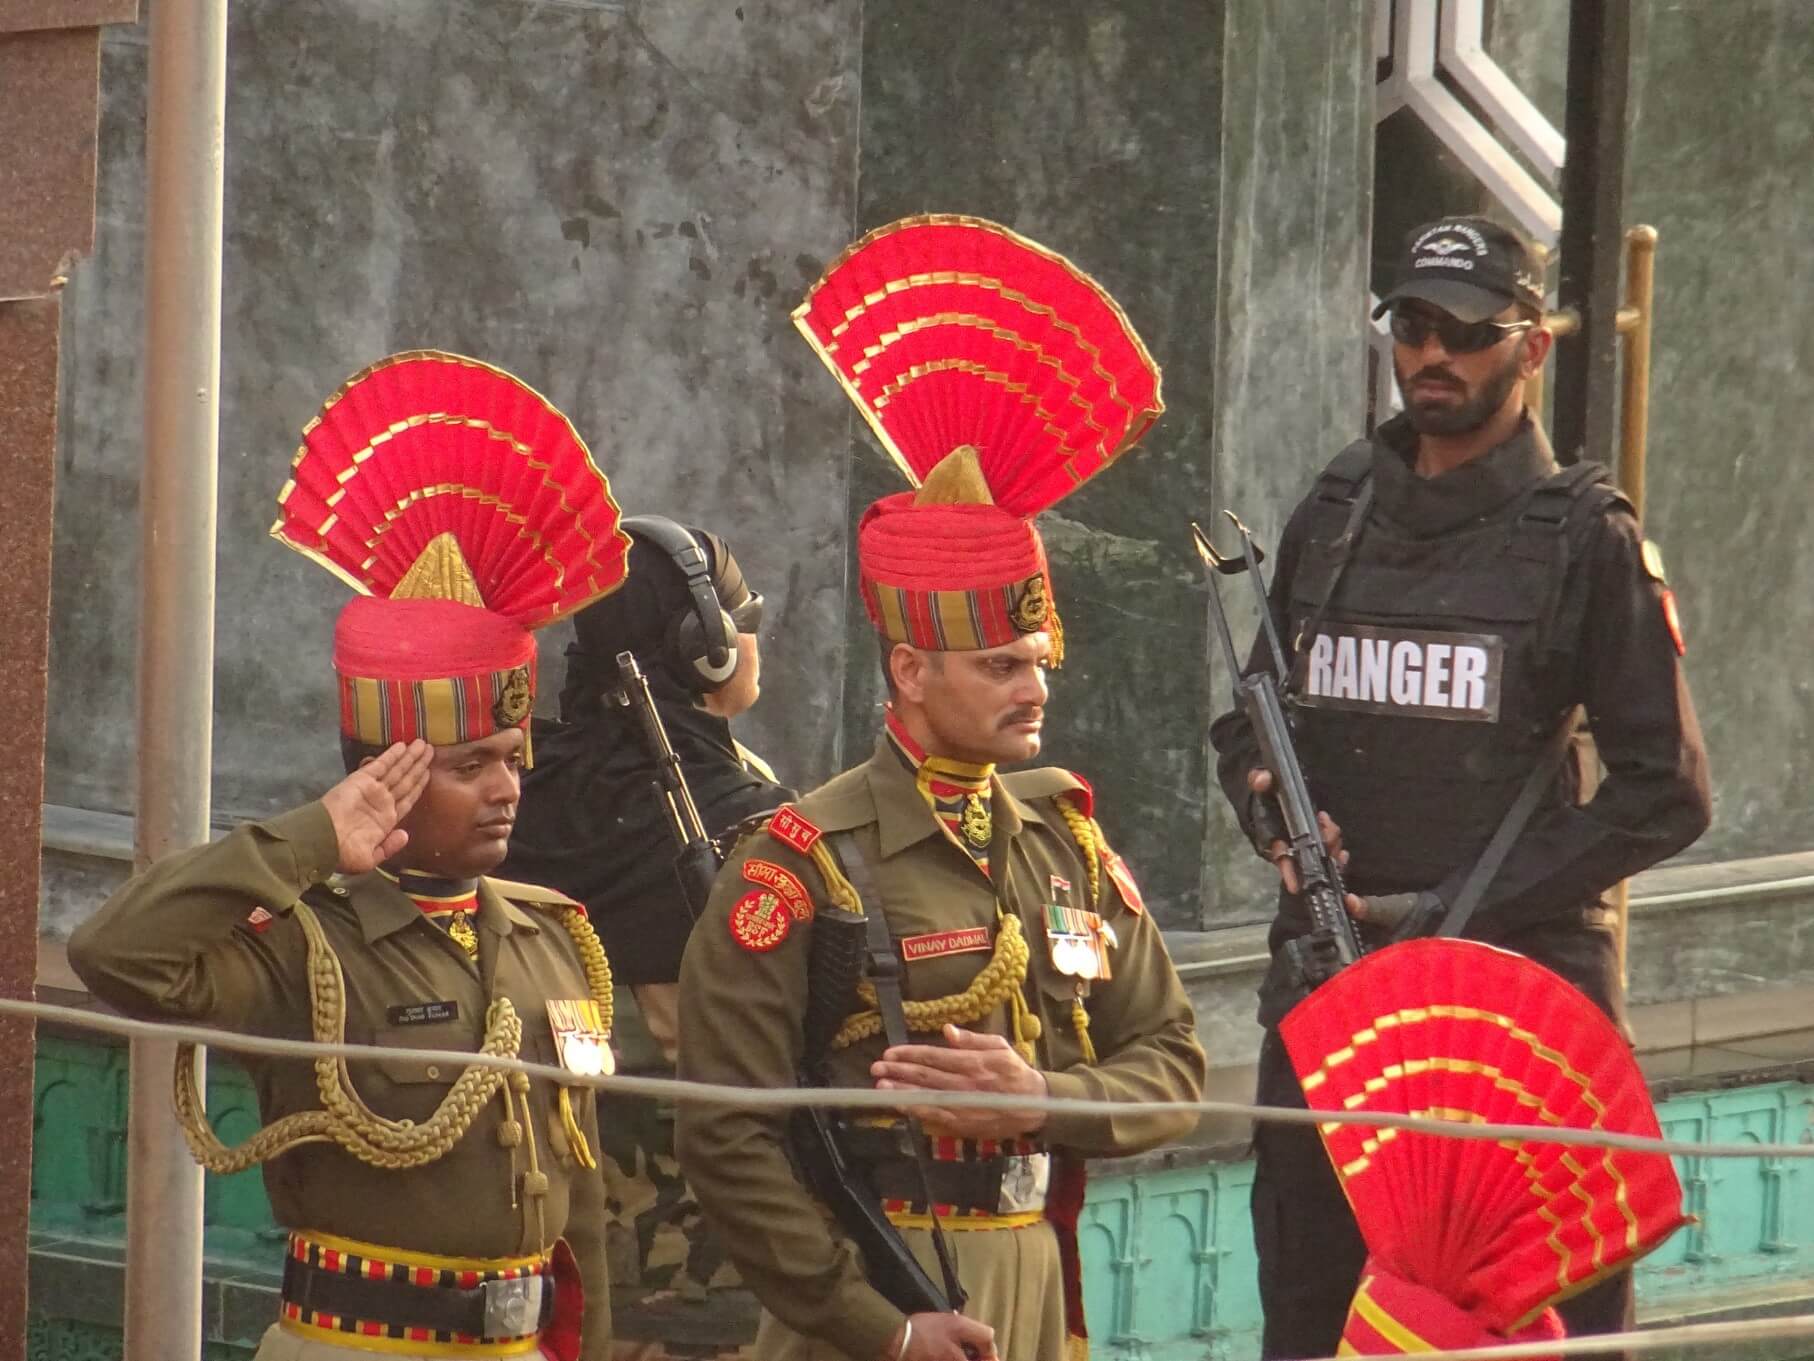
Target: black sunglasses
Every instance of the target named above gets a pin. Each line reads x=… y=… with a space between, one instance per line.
x=1457 y=336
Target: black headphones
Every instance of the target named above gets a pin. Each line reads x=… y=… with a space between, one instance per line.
x=700 y=646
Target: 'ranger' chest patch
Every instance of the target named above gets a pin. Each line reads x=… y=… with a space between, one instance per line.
x=1410 y=673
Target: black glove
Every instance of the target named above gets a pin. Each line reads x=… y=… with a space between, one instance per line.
x=1265 y=823
x=1392 y=917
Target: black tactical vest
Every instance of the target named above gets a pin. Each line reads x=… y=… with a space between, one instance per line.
x=1428 y=681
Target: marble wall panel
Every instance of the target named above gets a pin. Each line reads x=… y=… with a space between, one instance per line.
x=1722 y=120
x=1095 y=130
x=617 y=202
x=1297 y=174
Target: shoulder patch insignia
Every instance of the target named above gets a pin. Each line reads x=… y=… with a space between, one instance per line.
x=785 y=883
x=1124 y=881
x=792 y=830
x=759 y=921
x=1672 y=618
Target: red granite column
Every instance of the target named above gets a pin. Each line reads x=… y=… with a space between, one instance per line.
x=49 y=98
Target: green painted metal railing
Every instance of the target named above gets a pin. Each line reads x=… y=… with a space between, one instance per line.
x=1167 y=1254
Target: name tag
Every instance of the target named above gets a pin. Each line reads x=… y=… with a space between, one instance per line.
x=1412 y=673
x=938 y=943
x=423 y=1013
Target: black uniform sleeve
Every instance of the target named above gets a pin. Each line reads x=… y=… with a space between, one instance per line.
x=1237 y=750
x=1654 y=799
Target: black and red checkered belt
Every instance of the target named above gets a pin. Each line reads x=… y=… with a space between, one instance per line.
x=986 y=1178
x=360 y=1294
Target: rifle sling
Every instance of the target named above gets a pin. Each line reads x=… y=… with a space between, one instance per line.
x=1480 y=878
x=885 y=976
x=1342 y=551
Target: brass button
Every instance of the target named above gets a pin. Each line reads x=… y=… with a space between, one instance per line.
x=434 y=1070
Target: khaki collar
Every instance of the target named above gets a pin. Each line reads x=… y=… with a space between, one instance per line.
x=384 y=909
x=904 y=818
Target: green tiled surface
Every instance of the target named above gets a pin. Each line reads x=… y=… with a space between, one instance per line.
x=1167 y=1253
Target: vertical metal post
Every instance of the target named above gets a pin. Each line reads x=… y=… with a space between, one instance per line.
x=1634 y=440
x=1593 y=195
x=186 y=128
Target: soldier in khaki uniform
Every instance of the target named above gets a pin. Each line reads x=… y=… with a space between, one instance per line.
x=435 y=1209
x=1030 y=965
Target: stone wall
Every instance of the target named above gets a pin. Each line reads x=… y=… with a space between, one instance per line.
x=622 y=201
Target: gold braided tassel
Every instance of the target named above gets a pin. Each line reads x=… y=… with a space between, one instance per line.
x=592 y=960
x=344 y=1119
x=997 y=982
x=1080 y=1018
x=576 y=1137
x=1089 y=840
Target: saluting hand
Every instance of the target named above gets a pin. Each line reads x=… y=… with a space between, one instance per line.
x=973 y=1062
x=367 y=806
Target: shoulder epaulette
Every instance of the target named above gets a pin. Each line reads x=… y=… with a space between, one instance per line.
x=535 y=894
x=1049 y=782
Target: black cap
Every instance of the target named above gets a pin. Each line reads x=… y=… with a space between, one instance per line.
x=1471 y=267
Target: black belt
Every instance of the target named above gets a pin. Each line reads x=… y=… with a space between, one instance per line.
x=493 y=1310
x=963 y=1186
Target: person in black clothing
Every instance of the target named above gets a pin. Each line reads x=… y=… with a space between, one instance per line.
x=590 y=823
x=1450 y=599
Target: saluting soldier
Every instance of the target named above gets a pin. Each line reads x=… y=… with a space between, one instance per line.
x=434 y=1208
x=1030 y=964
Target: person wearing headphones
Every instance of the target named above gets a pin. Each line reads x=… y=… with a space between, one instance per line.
x=591 y=825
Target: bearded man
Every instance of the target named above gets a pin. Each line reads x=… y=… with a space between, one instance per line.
x=1451 y=599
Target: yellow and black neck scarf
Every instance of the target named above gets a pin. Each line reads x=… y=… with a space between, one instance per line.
x=958 y=793
x=451 y=904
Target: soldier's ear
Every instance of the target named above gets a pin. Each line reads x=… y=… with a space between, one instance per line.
x=1537 y=342
x=908 y=666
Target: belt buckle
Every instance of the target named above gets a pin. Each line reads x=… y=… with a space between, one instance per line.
x=512 y=1308
x=1024 y=1181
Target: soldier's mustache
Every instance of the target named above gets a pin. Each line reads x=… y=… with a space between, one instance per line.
x=1442 y=376
x=1028 y=715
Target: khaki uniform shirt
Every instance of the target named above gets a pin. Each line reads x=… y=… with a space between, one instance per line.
x=742 y=1013
x=180 y=941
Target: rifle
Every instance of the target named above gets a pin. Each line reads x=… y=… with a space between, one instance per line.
x=834 y=966
x=1333 y=942
x=696 y=862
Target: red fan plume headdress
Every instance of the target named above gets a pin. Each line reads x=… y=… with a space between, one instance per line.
x=1472 y=1241
x=466 y=511
x=1000 y=378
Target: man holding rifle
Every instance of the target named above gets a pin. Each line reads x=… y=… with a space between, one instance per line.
x=1449 y=600
x=1007 y=949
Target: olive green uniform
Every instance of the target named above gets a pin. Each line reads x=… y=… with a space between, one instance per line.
x=208 y=935
x=742 y=1012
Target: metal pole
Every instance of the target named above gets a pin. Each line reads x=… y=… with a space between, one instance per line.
x=1593 y=197
x=1634 y=439
x=1634 y=396
x=186 y=129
